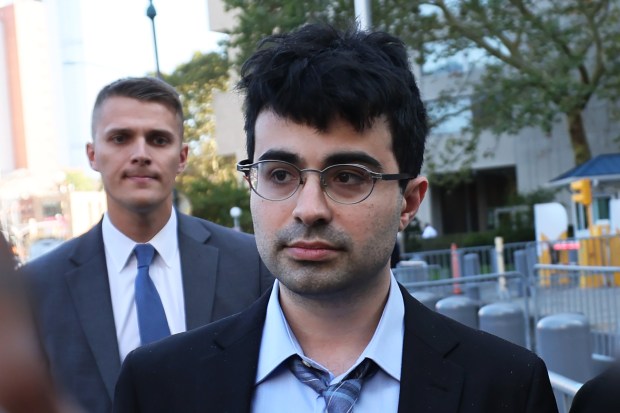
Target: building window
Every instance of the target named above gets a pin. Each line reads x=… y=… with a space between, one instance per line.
x=600 y=207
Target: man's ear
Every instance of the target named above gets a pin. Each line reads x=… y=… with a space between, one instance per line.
x=412 y=198
x=183 y=158
x=90 y=153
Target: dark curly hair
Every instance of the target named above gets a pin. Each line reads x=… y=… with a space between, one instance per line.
x=318 y=73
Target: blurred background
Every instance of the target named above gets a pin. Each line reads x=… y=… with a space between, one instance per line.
x=522 y=99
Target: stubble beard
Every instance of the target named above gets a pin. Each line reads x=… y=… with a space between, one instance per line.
x=348 y=277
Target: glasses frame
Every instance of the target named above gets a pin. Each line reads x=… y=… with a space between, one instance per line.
x=246 y=166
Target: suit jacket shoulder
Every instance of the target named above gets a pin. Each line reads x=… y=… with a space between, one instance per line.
x=209 y=369
x=446 y=367
x=69 y=254
x=223 y=236
x=76 y=323
x=222 y=271
x=600 y=394
x=455 y=368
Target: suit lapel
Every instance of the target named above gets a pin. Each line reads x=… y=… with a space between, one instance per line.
x=90 y=293
x=429 y=380
x=227 y=377
x=199 y=263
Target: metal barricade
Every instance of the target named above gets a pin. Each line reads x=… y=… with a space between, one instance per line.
x=439 y=260
x=590 y=290
x=509 y=253
x=492 y=288
x=564 y=390
x=442 y=261
x=418 y=271
x=486 y=258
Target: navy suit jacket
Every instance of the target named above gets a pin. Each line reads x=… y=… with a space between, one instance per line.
x=599 y=394
x=446 y=368
x=222 y=275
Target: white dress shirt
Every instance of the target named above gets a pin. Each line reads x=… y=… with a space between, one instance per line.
x=279 y=391
x=165 y=271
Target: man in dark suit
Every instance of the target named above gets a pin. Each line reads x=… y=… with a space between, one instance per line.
x=599 y=394
x=84 y=289
x=335 y=134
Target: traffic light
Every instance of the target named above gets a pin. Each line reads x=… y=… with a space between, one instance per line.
x=582 y=191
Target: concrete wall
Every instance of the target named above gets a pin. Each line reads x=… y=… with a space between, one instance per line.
x=229 y=124
x=538 y=157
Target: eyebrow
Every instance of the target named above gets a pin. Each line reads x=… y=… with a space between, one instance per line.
x=131 y=131
x=352 y=157
x=279 y=155
x=113 y=131
x=164 y=132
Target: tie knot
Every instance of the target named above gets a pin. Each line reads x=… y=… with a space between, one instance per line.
x=144 y=254
x=339 y=397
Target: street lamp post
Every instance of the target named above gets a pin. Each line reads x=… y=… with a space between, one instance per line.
x=363 y=13
x=235 y=213
x=151 y=13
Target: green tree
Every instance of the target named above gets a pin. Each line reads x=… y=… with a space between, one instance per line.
x=213 y=200
x=541 y=61
x=80 y=181
x=256 y=19
x=210 y=181
x=196 y=82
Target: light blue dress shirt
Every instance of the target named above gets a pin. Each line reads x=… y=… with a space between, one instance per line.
x=279 y=391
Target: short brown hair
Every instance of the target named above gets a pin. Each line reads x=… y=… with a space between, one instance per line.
x=147 y=89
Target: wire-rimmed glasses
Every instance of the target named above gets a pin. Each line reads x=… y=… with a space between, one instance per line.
x=343 y=183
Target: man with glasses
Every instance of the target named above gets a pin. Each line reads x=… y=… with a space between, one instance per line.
x=344 y=184
x=335 y=136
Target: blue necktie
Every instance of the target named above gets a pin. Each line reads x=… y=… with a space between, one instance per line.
x=339 y=397
x=151 y=316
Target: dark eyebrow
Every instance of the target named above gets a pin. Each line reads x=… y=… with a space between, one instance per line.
x=333 y=159
x=279 y=155
x=353 y=157
x=115 y=131
x=129 y=131
x=160 y=132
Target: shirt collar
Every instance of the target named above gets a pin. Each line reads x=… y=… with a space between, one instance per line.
x=277 y=337
x=119 y=247
x=165 y=241
x=385 y=348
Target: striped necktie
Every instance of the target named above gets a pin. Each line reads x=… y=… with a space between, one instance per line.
x=339 y=397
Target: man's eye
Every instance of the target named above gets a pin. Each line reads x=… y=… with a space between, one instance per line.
x=281 y=175
x=118 y=138
x=349 y=177
x=159 y=140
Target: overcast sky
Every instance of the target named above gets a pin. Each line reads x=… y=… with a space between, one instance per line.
x=121 y=30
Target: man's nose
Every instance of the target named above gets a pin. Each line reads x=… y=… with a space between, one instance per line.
x=312 y=205
x=140 y=151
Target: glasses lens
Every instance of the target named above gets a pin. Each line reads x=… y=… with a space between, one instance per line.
x=347 y=184
x=274 y=180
